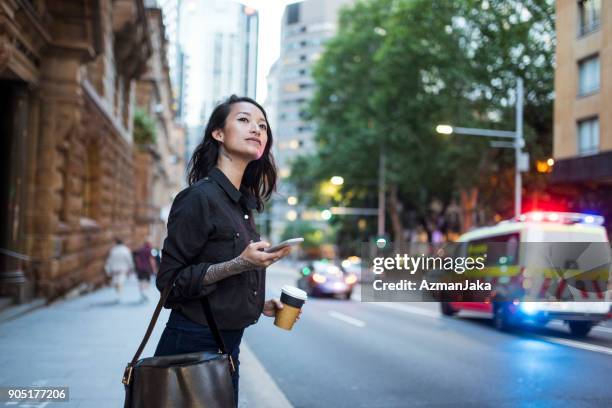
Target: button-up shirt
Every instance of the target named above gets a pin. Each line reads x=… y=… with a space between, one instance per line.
x=211 y=222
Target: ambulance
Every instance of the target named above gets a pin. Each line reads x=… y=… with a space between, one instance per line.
x=542 y=266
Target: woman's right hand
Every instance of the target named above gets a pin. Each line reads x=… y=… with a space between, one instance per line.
x=254 y=254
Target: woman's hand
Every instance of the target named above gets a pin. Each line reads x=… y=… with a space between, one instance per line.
x=274 y=305
x=254 y=254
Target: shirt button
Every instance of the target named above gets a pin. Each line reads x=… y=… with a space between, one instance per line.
x=246 y=217
x=255 y=292
x=237 y=234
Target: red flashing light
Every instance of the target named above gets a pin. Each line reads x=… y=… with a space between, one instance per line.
x=561 y=217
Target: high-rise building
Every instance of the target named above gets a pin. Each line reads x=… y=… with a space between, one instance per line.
x=306 y=26
x=171 y=12
x=222 y=52
x=250 y=34
x=583 y=106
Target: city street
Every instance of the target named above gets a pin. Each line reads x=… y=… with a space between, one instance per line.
x=352 y=354
x=340 y=354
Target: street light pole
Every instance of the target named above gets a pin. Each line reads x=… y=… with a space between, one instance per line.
x=381 y=191
x=518 y=145
x=517 y=142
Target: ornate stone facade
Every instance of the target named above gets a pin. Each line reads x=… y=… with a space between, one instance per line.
x=70 y=174
x=160 y=165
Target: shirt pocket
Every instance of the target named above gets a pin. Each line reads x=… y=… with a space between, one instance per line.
x=221 y=245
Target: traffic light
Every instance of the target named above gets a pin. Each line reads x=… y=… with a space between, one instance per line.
x=545 y=166
x=381 y=241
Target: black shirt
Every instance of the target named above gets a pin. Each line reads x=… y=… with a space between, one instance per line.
x=211 y=222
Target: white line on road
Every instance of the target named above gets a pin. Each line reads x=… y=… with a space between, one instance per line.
x=602 y=329
x=347 y=319
x=564 y=342
x=578 y=344
x=409 y=309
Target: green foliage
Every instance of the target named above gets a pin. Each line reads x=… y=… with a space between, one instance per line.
x=313 y=236
x=145 y=131
x=398 y=68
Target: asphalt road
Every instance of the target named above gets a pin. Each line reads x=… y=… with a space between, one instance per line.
x=354 y=354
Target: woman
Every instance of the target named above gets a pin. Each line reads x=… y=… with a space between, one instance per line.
x=212 y=243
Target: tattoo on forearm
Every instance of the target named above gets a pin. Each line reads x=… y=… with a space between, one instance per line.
x=223 y=270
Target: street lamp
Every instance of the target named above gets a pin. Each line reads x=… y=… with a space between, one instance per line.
x=337 y=180
x=518 y=142
x=326 y=215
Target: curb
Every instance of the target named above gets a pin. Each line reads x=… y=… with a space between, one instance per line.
x=13 y=312
x=257 y=388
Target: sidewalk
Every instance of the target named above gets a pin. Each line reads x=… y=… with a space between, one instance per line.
x=84 y=344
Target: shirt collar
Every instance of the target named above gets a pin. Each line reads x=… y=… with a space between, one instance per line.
x=247 y=200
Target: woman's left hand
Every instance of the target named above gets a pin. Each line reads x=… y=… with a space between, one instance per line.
x=272 y=306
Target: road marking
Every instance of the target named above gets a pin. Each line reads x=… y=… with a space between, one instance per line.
x=564 y=342
x=347 y=319
x=409 y=309
x=602 y=329
x=578 y=344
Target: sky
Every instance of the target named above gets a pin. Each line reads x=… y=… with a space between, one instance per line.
x=270 y=14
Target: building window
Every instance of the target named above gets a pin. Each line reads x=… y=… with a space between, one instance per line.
x=590 y=14
x=588 y=136
x=588 y=71
x=293 y=13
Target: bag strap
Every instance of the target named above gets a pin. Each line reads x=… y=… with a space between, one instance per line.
x=210 y=320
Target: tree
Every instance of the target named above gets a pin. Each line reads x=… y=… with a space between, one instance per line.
x=397 y=68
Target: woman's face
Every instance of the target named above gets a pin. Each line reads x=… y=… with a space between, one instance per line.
x=245 y=132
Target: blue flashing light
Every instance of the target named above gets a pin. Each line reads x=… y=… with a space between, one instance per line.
x=529 y=308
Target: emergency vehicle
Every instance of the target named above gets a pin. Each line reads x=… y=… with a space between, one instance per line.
x=522 y=293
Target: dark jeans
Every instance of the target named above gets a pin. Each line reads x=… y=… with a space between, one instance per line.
x=182 y=335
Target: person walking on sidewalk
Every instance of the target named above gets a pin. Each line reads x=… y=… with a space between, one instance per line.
x=145 y=267
x=118 y=264
x=212 y=244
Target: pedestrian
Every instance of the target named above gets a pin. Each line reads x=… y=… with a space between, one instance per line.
x=118 y=264
x=145 y=267
x=212 y=242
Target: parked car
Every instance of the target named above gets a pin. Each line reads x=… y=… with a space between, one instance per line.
x=325 y=278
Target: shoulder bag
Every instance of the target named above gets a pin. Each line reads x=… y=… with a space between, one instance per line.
x=200 y=380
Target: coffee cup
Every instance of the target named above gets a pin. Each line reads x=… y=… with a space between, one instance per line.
x=292 y=299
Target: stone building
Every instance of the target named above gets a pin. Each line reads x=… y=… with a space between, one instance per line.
x=160 y=165
x=68 y=72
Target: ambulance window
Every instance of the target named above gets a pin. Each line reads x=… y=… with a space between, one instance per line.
x=500 y=250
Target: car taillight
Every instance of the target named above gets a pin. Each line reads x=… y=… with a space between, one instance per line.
x=317 y=277
x=350 y=279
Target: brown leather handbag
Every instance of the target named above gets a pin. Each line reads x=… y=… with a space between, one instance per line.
x=201 y=380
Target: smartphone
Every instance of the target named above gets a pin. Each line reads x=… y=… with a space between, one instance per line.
x=289 y=242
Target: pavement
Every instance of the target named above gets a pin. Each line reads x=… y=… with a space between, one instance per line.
x=85 y=342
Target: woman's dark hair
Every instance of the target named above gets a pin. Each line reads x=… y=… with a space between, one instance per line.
x=259 y=176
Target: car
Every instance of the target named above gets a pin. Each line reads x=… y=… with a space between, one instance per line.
x=353 y=265
x=325 y=278
x=522 y=290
